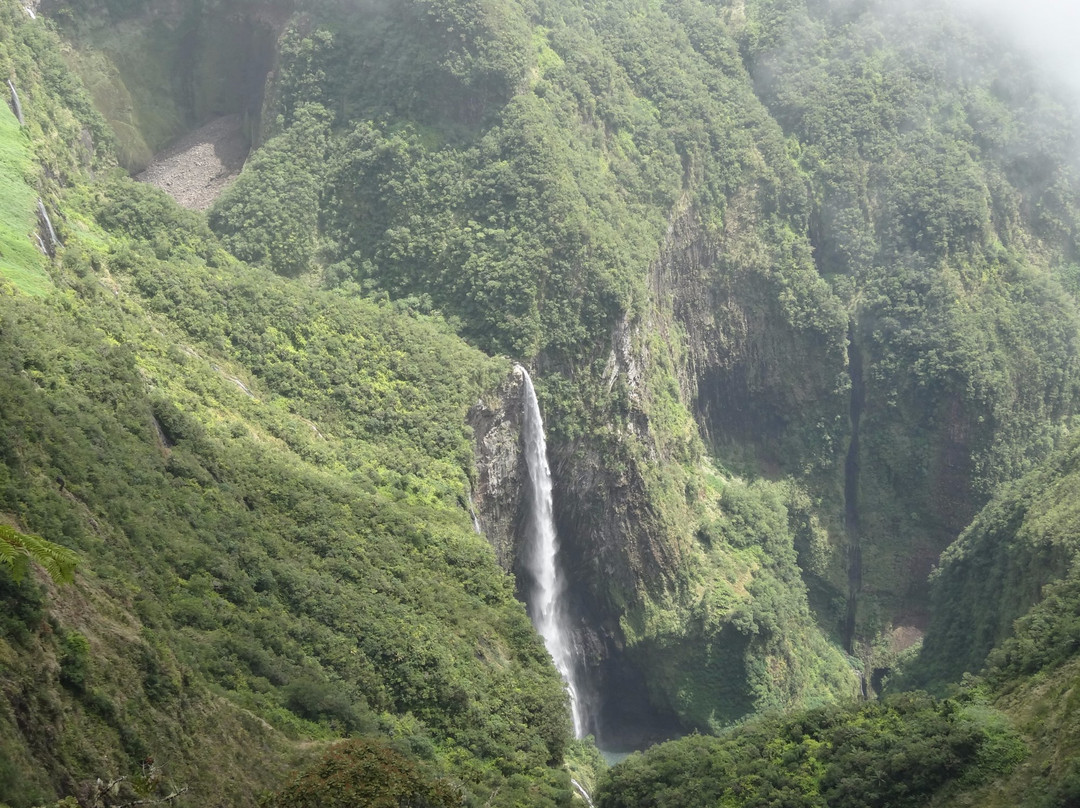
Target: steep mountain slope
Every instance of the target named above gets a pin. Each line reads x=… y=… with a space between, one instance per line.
x=837 y=236
x=942 y=179
x=264 y=485
x=1006 y=606
x=22 y=263
x=797 y=281
x=271 y=214
x=1020 y=551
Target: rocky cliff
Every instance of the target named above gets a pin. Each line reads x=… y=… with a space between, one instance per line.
x=499 y=488
x=158 y=70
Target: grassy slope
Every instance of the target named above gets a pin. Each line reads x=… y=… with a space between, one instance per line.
x=20 y=260
x=1045 y=709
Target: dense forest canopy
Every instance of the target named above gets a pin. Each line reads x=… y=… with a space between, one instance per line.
x=798 y=283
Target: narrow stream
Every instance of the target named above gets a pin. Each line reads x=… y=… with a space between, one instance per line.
x=851 y=490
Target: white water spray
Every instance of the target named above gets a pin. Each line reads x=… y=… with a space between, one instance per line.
x=583 y=792
x=476 y=526
x=16 y=106
x=43 y=214
x=548 y=610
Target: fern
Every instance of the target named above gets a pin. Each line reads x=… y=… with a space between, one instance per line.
x=17 y=550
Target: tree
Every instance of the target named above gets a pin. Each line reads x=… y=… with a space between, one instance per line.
x=17 y=550
x=364 y=771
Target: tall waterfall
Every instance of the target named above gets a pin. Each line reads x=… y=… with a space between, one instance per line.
x=15 y=105
x=46 y=222
x=546 y=604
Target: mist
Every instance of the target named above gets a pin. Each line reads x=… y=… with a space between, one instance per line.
x=1048 y=30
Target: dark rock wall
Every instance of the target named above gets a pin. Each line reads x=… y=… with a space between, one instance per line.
x=499 y=490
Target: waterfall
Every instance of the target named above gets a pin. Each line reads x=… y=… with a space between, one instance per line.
x=580 y=789
x=15 y=105
x=477 y=527
x=46 y=222
x=851 y=490
x=547 y=607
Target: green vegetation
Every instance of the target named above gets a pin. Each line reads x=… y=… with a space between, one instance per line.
x=21 y=262
x=270 y=214
x=752 y=186
x=17 y=550
x=1005 y=605
x=532 y=221
x=265 y=485
x=904 y=751
x=1007 y=587
x=299 y=541
x=739 y=190
x=940 y=192
x=742 y=640
x=365 y=773
x=726 y=236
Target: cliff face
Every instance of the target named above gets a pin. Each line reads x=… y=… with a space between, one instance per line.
x=1005 y=562
x=499 y=490
x=757 y=370
x=678 y=569
x=157 y=70
x=766 y=371
x=613 y=541
x=772 y=391
x=620 y=557
x=623 y=552
x=763 y=366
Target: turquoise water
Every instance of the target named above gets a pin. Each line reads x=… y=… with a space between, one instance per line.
x=612 y=757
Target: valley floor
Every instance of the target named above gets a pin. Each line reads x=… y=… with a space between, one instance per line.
x=198 y=167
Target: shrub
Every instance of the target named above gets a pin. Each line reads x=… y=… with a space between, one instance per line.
x=75 y=662
x=365 y=772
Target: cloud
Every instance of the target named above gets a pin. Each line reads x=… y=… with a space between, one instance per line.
x=1048 y=30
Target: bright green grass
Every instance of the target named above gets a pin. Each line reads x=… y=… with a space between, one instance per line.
x=20 y=260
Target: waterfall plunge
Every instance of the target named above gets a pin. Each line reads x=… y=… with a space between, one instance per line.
x=46 y=222
x=16 y=106
x=547 y=607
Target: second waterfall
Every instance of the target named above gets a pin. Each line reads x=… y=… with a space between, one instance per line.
x=546 y=604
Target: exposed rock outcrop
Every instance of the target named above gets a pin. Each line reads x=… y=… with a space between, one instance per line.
x=500 y=470
x=756 y=371
x=198 y=167
x=612 y=540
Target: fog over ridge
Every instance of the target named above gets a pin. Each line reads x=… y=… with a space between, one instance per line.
x=1048 y=30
